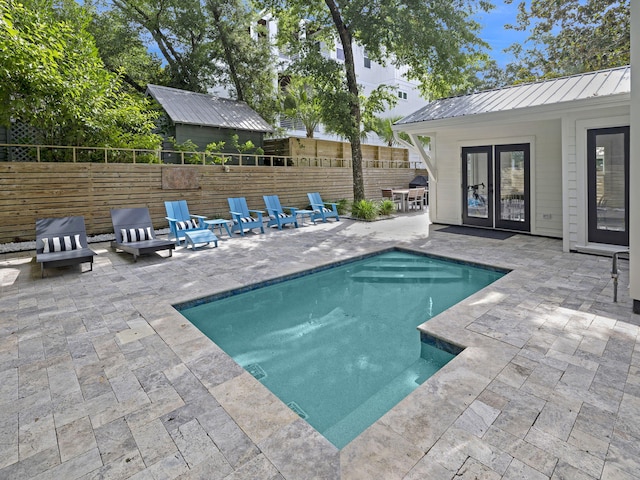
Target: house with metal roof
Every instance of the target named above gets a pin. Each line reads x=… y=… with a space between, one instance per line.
x=548 y=158
x=204 y=118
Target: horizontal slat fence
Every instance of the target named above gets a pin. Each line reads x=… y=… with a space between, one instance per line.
x=38 y=190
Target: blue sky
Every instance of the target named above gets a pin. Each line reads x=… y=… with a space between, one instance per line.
x=494 y=32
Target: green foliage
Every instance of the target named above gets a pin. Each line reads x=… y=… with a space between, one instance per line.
x=246 y=147
x=189 y=148
x=386 y=207
x=52 y=78
x=435 y=40
x=364 y=209
x=302 y=104
x=569 y=37
x=342 y=206
x=205 y=44
x=122 y=50
x=212 y=151
x=382 y=128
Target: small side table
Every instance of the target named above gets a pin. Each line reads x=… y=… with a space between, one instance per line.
x=302 y=214
x=220 y=222
x=200 y=236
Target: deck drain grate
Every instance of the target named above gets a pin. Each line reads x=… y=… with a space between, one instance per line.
x=296 y=408
x=256 y=370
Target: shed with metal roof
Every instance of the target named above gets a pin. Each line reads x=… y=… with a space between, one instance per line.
x=204 y=118
x=545 y=158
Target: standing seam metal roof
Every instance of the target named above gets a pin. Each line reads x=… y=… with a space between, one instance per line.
x=548 y=92
x=193 y=108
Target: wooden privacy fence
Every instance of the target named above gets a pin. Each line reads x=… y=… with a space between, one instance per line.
x=39 y=190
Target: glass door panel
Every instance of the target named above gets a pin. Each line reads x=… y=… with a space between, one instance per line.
x=512 y=182
x=477 y=186
x=608 y=192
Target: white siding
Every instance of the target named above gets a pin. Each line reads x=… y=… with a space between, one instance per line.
x=575 y=184
x=546 y=170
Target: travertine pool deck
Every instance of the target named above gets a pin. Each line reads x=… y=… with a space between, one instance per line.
x=101 y=378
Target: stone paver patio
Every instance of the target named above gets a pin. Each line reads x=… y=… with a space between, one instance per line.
x=101 y=378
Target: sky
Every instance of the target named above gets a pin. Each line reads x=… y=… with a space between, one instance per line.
x=494 y=32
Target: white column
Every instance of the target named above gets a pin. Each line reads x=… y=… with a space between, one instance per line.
x=634 y=180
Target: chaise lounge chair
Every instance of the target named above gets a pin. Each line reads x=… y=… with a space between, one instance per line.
x=135 y=234
x=61 y=242
x=320 y=208
x=181 y=221
x=241 y=215
x=276 y=212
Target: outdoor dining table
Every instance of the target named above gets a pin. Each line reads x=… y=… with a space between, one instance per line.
x=404 y=193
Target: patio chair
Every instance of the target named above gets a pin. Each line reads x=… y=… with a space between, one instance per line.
x=181 y=221
x=387 y=194
x=135 y=234
x=277 y=216
x=320 y=208
x=241 y=216
x=62 y=242
x=415 y=197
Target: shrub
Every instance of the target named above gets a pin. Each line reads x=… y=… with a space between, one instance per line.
x=386 y=207
x=364 y=210
x=343 y=205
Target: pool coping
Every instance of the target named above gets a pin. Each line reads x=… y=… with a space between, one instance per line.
x=424 y=335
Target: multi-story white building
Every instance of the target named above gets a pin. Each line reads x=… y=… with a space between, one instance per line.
x=370 y=75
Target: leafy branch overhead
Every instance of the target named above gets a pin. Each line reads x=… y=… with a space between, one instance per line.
x=569 y=37
x=434 y=40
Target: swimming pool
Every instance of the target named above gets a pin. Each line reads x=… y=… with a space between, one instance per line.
x=339 y=346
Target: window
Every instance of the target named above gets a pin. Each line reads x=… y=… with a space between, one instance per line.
x=262 y=29
x=402 y=95
x=367 y=61
x=340 y=53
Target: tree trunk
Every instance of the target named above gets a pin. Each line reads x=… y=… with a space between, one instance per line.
x=228 y=50
x=354 y=101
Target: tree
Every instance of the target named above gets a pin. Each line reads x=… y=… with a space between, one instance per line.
x=52 y=78
x=434 y=39
x=302 y=104
x=122 y=50
x=571 y=36
x=382 y=128
x=209 y=43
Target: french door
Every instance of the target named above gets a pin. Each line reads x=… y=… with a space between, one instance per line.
x=608 y=185
x=495 y=187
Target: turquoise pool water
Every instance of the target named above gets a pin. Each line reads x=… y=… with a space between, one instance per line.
x=340 y=346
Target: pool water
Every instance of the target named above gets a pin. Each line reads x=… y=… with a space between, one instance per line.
x=340 y=346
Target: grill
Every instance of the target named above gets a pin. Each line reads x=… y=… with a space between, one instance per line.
x=419 y=181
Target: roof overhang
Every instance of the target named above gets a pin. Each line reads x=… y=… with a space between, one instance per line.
x=517 y=115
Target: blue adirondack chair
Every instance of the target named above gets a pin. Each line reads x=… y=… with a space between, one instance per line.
x=241 y=215
x=320 y=209
x=277 y=216
x=180 y=221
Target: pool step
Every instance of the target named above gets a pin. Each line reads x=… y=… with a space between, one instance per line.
x=403 y=266
x=406 y=276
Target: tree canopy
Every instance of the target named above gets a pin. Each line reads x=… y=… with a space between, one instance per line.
x=205 y=44
x=52 y=78
x=570 y=36
x=435 y=40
